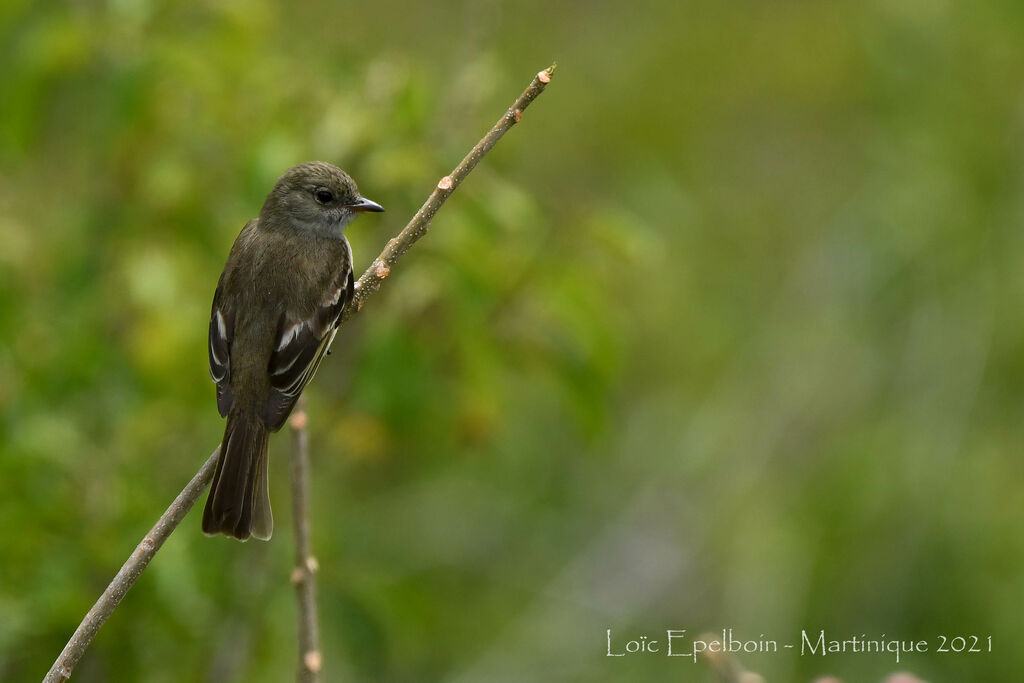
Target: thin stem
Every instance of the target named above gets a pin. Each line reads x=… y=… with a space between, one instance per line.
x=304 y=574
x=369 y=282
x=130 y=571
x=420 y=223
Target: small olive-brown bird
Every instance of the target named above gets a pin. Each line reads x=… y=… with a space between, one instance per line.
x=275 y=313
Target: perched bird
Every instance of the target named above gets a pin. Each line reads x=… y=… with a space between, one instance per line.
x=275 y=313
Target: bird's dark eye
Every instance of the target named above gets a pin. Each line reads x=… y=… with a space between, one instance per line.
x=324 y=196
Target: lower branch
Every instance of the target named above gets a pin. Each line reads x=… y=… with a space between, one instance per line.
x=367 y=284
x=130 y=571
x=304 y=574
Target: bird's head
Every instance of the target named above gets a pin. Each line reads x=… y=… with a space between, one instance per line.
x=316 y=196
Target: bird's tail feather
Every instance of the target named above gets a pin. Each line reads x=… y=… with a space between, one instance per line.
x=239 y=500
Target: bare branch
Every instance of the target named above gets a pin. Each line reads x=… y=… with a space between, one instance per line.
x=367 y=284
x=304 y=574
x=130 y=571
x=417 y=227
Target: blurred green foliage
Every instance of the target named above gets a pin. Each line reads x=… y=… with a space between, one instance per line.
x=726 y=333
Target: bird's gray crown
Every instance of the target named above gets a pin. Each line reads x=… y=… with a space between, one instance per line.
x=312 y=196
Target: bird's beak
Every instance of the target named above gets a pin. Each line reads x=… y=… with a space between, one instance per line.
x=364 y=204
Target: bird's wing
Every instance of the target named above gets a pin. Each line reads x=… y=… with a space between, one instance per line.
x=300 y=345
x=222 y=323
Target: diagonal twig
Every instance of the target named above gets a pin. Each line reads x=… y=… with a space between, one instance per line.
x=418 y=225
x=367 y=284
x=130 y=571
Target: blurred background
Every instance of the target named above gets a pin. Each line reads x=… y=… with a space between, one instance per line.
x=727 y=333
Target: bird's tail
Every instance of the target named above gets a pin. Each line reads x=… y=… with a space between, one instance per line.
x=239 y=500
